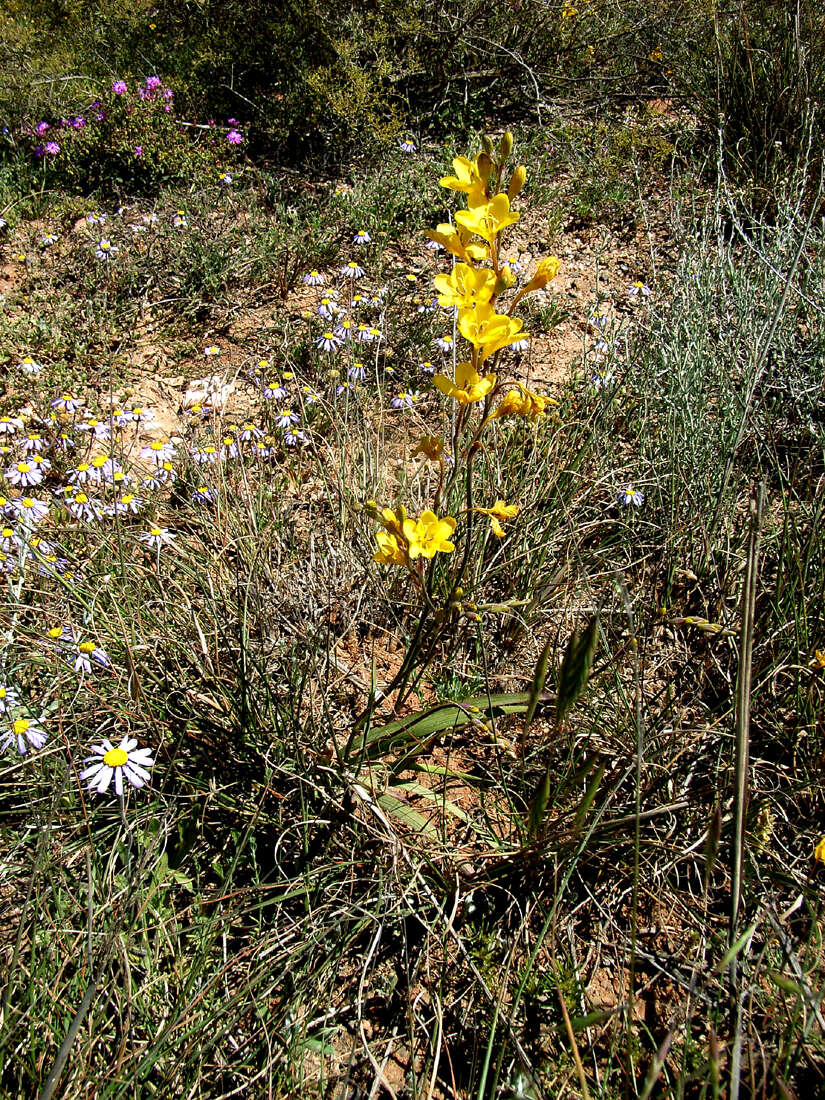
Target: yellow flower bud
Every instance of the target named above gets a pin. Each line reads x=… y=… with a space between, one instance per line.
x=505 y=280
x=517 y=181
x=484 y=165
x=506 y=146
x=487 y=145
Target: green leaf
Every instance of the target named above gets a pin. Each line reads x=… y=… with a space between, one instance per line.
x=434 y=796
x=575 y=668
x=405 y=814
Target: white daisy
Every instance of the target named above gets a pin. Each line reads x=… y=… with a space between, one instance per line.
x=21 y=731
x=127 y=759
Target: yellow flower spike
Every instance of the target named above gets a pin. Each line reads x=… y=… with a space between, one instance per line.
x=389 y=551
x=489 y=331
x=469 y=385
x=465 y=286
x=487 y=219
x=500 y=510
x=429 y=535
x=505 y=147
x=457 y=242
x=517 y=181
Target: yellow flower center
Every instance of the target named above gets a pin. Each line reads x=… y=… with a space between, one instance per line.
x=115 y=758
x=87 y=647
x=20 y=726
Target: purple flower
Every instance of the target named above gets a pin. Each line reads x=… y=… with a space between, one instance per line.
x=233 y=122
x=234 y=138
x=37 y=151
x=52 y=148
x=41 y=128
x=119 y=87
x=78 y=123
x=100 y=116
x=168 y=93
x=152 y=82
x=138 y=150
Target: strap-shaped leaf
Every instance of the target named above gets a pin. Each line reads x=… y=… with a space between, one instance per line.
x=414 y=733
x=537 y=686
x=575 y=668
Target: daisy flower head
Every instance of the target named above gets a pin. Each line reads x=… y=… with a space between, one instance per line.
x=8 y=699
x=520 y=345
x=229 y=448
x=329 y=341
x=286 y=418
x=639 y=290
x=159 y=449
x=105 y=250
x=23 y=732
x=23 y=475
x=361 y=237
x=85 y=653
x=157 y=537
x=67 y=404
x=205 y=456
x=357 y=372
x=313 y=278
x=33 y=442
x=427 y=367
x=96 y=218
x=224 y=179
x=10 y=424
x=81 y=506
x=406 y=399
x=211 y=351
x=31 y=511
x=110 y=762
x=204 y=495
x=364 y=334
x=344 y=330
x=127 y=505
x=603 y=379
x=29 y=366
x=434 y=246
x=294 y=436
x=407 y=145
x=9 y=540
x=352 y=270
x=445 y=343
x=328 y=308
x=628 y=495
x=48 y=239
x=274 y=391
x=179 y=221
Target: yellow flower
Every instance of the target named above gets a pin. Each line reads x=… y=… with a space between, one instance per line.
x=457 y=242
x=818 y=662
x=524 y=403
x=469 y=385
x=487 y=330
x=389 y=550
x=819 y=851
x=465 y=286
x=429 y=535
x=431 y=446
x=470 y=176
x=548 y=269
x=498 y=512
x=487 y=219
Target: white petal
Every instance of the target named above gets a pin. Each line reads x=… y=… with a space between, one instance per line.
x=135 y=777
x=95 y=768
x=119 y=782
x=104 y=779
x=142 y=756
x=128 y=743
